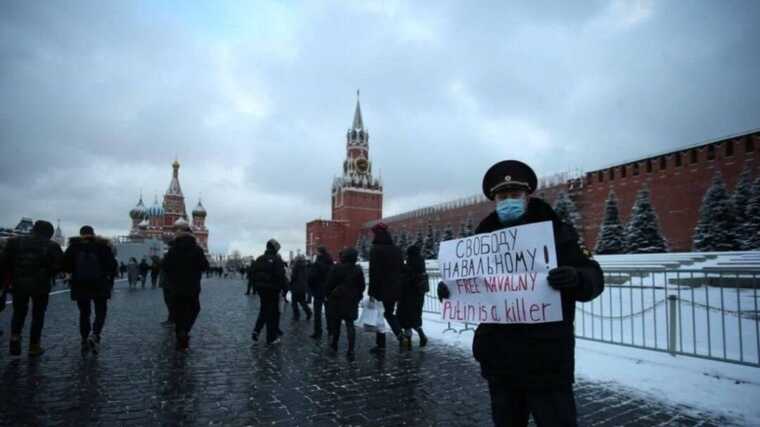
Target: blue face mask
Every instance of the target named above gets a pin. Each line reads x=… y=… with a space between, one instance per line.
x=510 y=209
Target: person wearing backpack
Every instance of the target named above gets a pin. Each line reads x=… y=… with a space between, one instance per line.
x=269 y=281
x=184 y=264
x=414 y=287
x=344 y=290
x=32 y=261
x=92 y=265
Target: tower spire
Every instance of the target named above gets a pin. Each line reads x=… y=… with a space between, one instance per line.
x=358 y=123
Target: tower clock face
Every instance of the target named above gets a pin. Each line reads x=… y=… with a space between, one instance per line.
x=362 y=165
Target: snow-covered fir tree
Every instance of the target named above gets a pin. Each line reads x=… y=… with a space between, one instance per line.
x=428 y=247
x=568 y=212
x=752 y=213
x=363 y=246
x=610 y=238
x=469 y=229
x=715 y=227
x=418 y=239
x=739 y=200
x=448 y=234
x=403 y=240
x=642 y=233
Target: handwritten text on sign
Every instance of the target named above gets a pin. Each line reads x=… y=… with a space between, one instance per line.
x=500 y=277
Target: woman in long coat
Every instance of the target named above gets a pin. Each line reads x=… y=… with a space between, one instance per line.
x=414 y=287
x=133 y=271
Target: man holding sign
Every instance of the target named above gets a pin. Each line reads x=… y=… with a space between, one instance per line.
x=519 y=277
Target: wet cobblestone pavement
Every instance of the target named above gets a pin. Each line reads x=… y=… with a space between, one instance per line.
x=138 y=379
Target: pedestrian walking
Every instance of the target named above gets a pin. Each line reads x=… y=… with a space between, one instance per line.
x=31 y=261
x=122 y=270
x=317 y=280
x=414 y=287
x=530 y=367
x=385 y=264
x=144 y=268
x=269 y=281
x=155 y=271
x=250 y=290
x=92 y=265
x=133 y=272
x=184 y=263
x=299 y=279
x=163 y=283
x=345 y=289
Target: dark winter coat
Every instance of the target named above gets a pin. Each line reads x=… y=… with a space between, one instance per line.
x=269 y=272
x=144 y=267
x=184 y=264
x=32 y=262
x=385 y=264
x=299 y=278
x=539 y=356
x=318 y=275
x=414 y=286
x=345 y=289
x=101 y=249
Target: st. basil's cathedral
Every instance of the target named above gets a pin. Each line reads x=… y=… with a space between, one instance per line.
x=160 y=220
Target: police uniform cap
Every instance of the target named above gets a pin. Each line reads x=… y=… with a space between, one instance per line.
x=509 y=175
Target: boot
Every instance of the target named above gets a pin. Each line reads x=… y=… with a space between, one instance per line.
x=379 y=347
x=35 y=350
x=423 y=337
x=351 y=335
x=15 y=345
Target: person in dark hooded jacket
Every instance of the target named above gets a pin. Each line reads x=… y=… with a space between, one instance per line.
x=184 y=264
x=31 y=261
x=530 y=367
x=317 y=279
x=414 y=287
x=269 y=280
x=345 y=289
x=92 y=265
x=385 y=264
x=299 y=278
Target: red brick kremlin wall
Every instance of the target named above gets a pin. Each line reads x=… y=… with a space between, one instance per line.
x=677 y=180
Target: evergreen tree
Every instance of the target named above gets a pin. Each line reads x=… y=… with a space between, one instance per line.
x=468 y=228
x=428 y=247
x=610 y=238
x=418 y=239
x=568 y=212
x=715 y=227
x=739 y=200
x=642 y=233
x=363 y=245
x=448 y=234
x=752 y=212
x=462 y=230
x=403 y=240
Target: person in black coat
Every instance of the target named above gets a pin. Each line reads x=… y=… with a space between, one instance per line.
x=317 y=279
x=345 y=289
x=144 y=268
x=31 y=262
x=385 y=264
x=299 y=278
x=269 y=280
x=184 y=264
x=414 y=287
x=530 y=367
x=90 y=261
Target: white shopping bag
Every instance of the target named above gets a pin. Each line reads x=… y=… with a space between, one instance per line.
x=372 y=319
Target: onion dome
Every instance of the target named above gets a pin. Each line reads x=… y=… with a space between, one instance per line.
x=199 y=210
x=138 y=212
x=156 y=210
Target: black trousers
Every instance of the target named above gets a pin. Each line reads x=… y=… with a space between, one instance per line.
x=269 y=313
x=168 y=303
x=101 y=308
x=550 y=408
x=153 y=278
x=350 y=331
x=319 y=304
x=392 y=319
x=185 y=309
x=21 y=307
x=296 y=299
x=250 y=289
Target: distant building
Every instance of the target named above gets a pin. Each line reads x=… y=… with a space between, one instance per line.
x=357 y=196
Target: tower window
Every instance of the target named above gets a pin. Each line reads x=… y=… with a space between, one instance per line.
x=694 y=155
x=635 y=169
x=649 y=165
x=663 y=163
x=729 y=148
x=710 y=152
x=679 y=161
x=612 y=174
x=623 y=171
x=749 y=144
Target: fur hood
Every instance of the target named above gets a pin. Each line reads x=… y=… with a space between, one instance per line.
x=83 y=240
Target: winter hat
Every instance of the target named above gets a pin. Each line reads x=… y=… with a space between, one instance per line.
x=349 y=255
x=322 y=250
x=273 y=245
x=43 y=229
x=86 y=230
x=379 y=227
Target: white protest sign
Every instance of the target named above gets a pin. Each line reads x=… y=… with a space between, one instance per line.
x=500 y=277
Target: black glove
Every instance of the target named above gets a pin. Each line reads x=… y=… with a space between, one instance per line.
x=563 y=277
x=443 y=291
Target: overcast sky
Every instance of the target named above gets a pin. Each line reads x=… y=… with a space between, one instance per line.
x=97 y=98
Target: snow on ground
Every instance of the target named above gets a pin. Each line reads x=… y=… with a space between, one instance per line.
x=706 y=386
